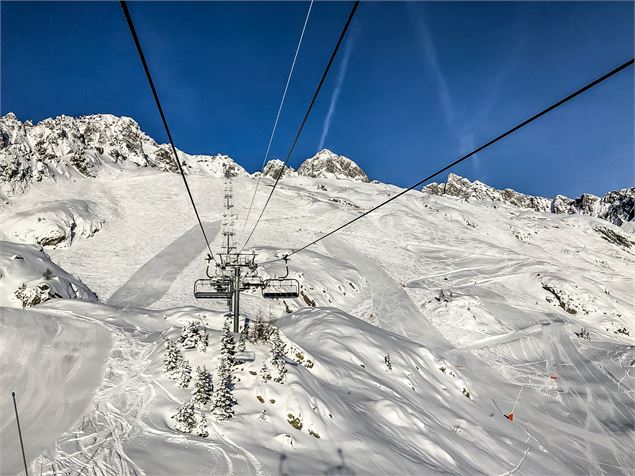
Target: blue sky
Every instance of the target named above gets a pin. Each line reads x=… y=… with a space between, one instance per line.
x=415 y=84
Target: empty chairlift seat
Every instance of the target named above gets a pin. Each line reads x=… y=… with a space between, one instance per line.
x=252 y=282
x=281 y=288
x=212 y=289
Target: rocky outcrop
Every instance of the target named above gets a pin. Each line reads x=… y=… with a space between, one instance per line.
x=274 y=167
x=64 y=147
x=461 y=187
x=326 y=164
x=617 y=207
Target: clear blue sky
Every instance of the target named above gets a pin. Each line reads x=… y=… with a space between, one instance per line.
x=423 y=82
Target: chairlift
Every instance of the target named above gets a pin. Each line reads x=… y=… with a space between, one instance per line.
x=253 y=281
x=280 y=288
x=214 y=288
x=283 y=287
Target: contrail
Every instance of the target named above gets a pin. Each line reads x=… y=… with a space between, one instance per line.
x=336 y=93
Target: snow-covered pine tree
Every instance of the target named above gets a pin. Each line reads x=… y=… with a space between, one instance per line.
x=203 y=387
x=172 y=359
x=193 y=335
x=203 y=341
x=185 y=417
x=259 y=330
x=202 y=429
x=223 y=400
x=277 y=350
x=185 y=374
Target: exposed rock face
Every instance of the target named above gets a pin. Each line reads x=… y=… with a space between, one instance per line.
x=616 y=207
x=84 y=146
x=463 y=188
x=326 y=164
x=274 y=167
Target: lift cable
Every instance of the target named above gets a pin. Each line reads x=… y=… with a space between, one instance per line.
x=465 y=157
x=126 y=13
x=275 y=124
x=306 y=116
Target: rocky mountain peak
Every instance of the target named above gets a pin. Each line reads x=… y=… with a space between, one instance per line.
x=273 y=168
x=64 y=146
x=327 y=164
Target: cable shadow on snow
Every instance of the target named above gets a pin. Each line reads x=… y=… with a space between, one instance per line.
x=339 y=468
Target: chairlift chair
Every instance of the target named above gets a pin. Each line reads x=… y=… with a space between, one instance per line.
x=214 y=288
x=280 y=288
x=252 y=282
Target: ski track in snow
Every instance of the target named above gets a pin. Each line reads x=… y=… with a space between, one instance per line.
x=583 y=423
x=394 y=308
x=118 y=422
x=395 y=312
x=150 y=283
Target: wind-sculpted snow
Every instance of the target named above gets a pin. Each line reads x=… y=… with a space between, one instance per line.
x=54 y=363
x=28 y=277
x=53 y=223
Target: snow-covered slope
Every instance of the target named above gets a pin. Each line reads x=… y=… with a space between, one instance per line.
x=415 y=330
x=327 y=164
x=28 y=277
x=68 y=147
x=617 y=206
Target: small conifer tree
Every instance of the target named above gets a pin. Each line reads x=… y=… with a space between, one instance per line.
x=185 y=417
x=223 y=399
x=194 y=335
x=277 y=350
x=184 y=375
x=203 y=387
x=172 y=359
x=202 y=429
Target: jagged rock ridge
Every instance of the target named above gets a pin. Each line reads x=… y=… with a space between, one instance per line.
x=274 y=167
x=84 y=146
x=326 y=164
x=616 y=207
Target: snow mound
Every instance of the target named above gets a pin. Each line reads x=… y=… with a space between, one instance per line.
x=326 y=164
x=28 y=277
x=53 y=223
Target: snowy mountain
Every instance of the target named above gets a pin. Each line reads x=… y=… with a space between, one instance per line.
x=416 y=329
x=616 y=207
x=273 y=167
x=65 y=147
x=327 y=164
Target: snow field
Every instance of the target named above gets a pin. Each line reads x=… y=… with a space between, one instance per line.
x=432 y=282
